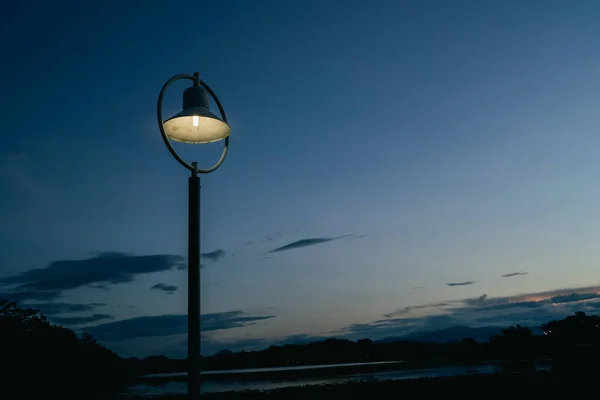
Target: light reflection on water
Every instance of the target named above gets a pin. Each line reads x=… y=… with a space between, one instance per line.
x=295 y=368
x=270 y=383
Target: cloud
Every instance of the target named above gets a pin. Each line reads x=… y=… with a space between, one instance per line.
x=214 y=255
x=352 y=237
x=532 y=304
x=508 y=306
x=479 y=301
x=23 y=295
x=461 y=283
x=382 y=328
x=531 y=309
x=170 y=324
x=170 y=289
x=573 y=297
x=70 y=321
x=228 y=320
x=51 y=310
x=514 y=274
x=301 y=243
x=307 y=242
x=97 y=286
x=63 y=308
x=408 y=310
x=183 y=267
x=104 y=268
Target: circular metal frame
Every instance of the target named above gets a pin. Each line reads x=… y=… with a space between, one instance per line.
x=194 y=165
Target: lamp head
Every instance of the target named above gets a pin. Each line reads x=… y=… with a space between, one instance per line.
x=195 y=123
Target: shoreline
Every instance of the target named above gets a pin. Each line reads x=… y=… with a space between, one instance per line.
x=322 y=372
x=317 y=371
x=461 y=386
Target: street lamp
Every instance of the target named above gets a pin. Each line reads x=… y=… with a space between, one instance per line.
x=194 y=124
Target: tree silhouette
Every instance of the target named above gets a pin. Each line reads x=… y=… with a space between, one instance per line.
x=575 y=343
x=515 y=345
x=54 y=357
x=574 y=329
x=514 y=335
x=469 y=341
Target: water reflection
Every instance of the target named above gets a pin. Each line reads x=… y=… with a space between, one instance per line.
x=270 y=383
x=273 y=369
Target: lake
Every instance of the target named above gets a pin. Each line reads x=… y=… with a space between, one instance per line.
x=267 y=383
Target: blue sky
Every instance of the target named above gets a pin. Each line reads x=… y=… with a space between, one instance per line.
x=456 y=141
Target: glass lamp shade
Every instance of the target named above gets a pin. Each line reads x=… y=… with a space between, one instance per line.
x=196 y=125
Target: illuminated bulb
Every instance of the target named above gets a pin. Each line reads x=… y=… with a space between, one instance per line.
x=195 y=121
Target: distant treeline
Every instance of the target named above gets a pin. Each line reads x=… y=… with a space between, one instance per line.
x=576 y=334
x=39 y=358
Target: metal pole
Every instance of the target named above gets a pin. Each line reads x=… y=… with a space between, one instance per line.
x=194 y=285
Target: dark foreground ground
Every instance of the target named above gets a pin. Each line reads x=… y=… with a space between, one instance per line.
x=516 y=386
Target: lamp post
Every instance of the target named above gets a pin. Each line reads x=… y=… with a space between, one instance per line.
x=194 y=124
